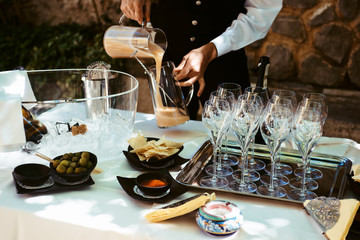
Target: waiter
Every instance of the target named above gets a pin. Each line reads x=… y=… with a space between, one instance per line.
x=206 y=38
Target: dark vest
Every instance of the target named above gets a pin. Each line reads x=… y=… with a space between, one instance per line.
x=189 y=24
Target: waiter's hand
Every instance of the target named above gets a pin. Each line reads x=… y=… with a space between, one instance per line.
x=136 y=9
x=193 y=66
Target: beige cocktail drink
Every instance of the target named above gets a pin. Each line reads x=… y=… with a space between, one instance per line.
x=169 y=116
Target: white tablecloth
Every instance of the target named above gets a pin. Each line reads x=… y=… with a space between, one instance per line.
x=105 y=211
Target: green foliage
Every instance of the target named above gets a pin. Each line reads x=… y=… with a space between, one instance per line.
x=53 y=47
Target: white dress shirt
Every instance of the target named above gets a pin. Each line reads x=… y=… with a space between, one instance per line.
x=249 y=27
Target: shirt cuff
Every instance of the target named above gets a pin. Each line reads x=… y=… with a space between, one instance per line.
x=222 y=44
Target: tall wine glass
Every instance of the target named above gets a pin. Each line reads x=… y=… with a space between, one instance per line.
x=281 y=169
x=313 y=173
x=244 y=123
x=222 y=168
x=307 y=129
x=274 y=127
x=223 y=89
x=256 y=164
x=229 y=87
x=215 y=118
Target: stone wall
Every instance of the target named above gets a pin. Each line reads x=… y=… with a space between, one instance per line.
x=314 y=42
x=311 y=41
x=53 y=12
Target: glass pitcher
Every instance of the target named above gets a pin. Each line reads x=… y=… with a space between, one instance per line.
x=122 y=41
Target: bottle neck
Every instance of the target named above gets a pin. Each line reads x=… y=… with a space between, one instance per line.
x=263 y=70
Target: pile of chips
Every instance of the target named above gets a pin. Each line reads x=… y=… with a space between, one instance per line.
x=159 y=149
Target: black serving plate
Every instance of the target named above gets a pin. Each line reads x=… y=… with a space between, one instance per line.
x=54 y=186
x=155 y=164
x=129 y=186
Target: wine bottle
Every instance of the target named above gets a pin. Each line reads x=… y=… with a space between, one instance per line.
x=34 y=129
x=262 y=71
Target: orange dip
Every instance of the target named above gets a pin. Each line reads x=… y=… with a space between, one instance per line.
x=153 y=183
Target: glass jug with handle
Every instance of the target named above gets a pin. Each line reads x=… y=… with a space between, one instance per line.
x=121 y=41
x=169 y=104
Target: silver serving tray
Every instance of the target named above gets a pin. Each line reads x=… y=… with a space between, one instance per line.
x=332 y=184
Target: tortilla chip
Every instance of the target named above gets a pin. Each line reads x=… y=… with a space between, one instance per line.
x=168 y=143
x=137 y=141
x=141 y=157
x=356 y=178
x=356 y=169
x=159 y=149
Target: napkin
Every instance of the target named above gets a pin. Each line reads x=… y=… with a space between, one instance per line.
x=12 y=135
x=17 y=83
x=14 y=88
x=344 y=217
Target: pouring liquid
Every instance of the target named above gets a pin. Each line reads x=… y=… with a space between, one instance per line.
x=165 y=116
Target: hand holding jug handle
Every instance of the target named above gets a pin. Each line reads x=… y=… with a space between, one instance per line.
x=124 y=21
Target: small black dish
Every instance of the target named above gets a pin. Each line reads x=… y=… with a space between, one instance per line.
x=142 y=165
x=74 y=177
x=50 y=182
x=139 y=192
x=54 y=187
x=153 y=183
x=32 y=174
x=176 y=189
x=153 y=163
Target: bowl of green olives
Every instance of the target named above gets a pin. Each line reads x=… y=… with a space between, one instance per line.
x=74 y=166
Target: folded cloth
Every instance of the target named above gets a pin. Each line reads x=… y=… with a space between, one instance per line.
x=344 y=217
x=17 y=83
x=14 y=88
x=12 y=135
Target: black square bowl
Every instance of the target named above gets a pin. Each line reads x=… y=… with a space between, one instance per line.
x=154 y=161
x=74 y=177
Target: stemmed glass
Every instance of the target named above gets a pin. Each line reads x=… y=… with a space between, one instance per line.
x=222 y=169
x=307 y=129
x=281 y=169
x=223 y=90
x=313 y=173
x=274 y=127
x=215 y=118
x=244 y=123
x=256 y=164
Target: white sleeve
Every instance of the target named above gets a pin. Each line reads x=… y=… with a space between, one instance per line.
x=249 y=27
